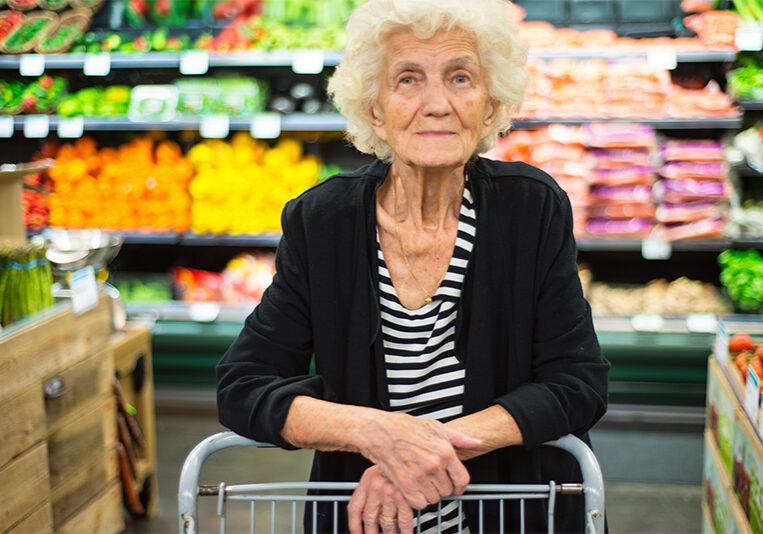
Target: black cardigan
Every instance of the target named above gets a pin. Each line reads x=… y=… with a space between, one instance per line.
x=524 y=331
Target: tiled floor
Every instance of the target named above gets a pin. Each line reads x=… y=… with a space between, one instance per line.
x=631 y=507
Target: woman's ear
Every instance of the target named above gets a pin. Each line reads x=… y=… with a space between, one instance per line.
x=491 y=112
x=376 y=118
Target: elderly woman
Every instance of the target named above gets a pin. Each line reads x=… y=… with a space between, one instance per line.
x=437 y=291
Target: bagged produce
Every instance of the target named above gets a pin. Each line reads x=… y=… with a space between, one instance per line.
x=25 y=282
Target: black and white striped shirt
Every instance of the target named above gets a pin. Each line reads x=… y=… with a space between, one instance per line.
x=425 y=378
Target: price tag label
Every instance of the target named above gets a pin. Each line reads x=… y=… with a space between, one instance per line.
x=97 y=64
x=36 y=126
x=662 y=59
x=656 y=249
x=31 y=65
x=749 y=37
x=308 y=62
x=266 y=126
x=752 y=395
x=204 y=312
x=6 y=126
x=702 y=322
x=647 y=322
x=72 y=127
x=84 y=290
x=215 y=126
x=721 y=345
x=194 y=62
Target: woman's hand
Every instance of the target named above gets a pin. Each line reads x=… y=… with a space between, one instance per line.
x=377 y=503
x=417 y=455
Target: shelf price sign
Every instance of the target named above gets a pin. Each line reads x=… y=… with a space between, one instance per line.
x=84 y=290
x=36 y=126
x=749 y=37
x=71 y=128
x=214 y=126
x=307 y=62
x=6 y=126
x=31 y=65
x=266 y=126
x=653 y=248
x=721 y=345
x=752 y=395
x=194 y=62
x=97 y=64
x=647 y=322
x=662 y=59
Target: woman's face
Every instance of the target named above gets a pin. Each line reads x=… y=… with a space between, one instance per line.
x=433 y=105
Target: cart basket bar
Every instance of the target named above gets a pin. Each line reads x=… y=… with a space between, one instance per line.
x=592 y=487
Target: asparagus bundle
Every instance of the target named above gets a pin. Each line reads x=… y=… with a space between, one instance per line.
x=25 y=282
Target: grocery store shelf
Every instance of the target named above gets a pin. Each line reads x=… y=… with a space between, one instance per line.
x=751 y=105
x=660 y=124
x=688 y=56
x=212 y=312
x=147 y=238
x=335 y=122
x=634 y=245
x=255 y=240
x=271 y=239
x=287 y=58
x=292 y=122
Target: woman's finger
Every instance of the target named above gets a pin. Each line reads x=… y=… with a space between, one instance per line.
x=458 y=475
x=404 y=514
x=388 y=515
x=355 y=508
x=375 y=483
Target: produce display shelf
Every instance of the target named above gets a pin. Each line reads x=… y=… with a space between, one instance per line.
x=271 y=239
x=731 y=123
x=249 y=240
x=626 y=245
x=687 y=56
x=333 y=122
x=330 y=58
x=149 y=238
x=292 y=122
x=751 y=105
x=148 y=60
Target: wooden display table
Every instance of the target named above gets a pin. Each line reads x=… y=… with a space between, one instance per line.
x=59 y=470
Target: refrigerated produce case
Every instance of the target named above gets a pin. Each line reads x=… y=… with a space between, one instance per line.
x=650 y=366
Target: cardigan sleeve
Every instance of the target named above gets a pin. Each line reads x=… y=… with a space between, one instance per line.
x=268 y=364
x=568 y=391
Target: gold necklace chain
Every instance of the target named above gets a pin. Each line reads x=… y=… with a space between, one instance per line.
x=427 y=294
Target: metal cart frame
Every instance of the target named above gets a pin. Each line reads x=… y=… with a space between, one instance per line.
x=592 y=488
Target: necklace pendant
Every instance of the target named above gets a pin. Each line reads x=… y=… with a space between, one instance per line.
x=428 y=300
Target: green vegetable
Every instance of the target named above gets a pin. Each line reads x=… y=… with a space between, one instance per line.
x=25 y=33
x=742 y=276
x=746 y=82
x=749 y=9
x=25 y=282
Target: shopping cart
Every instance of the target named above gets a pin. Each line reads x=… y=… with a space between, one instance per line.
x=265 y=497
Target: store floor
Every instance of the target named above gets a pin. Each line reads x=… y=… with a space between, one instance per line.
x=631 y=507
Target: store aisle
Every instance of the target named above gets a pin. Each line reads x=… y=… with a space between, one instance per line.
x=631 y=507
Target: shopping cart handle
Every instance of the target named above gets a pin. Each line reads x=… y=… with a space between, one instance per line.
x=593 y=485
x=189 y=476
x=592 y=479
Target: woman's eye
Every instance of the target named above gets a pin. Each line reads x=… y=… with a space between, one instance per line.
x=406 y=80
x=461 y=78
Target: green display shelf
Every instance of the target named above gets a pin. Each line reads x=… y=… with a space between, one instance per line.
x=647 y=368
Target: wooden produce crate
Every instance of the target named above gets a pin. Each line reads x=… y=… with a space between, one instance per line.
x=58 y=468
x=134 y=369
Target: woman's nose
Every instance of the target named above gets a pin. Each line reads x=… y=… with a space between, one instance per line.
x=435 y=99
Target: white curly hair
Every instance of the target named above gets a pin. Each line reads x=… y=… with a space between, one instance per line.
x=354 y=86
